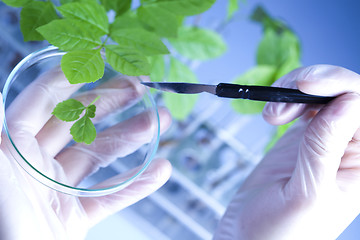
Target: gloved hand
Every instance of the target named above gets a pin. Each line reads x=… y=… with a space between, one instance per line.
x=308 y=185
x=30 y=210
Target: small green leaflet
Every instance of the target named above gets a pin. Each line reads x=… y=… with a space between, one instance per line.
x=68 y=110
x=70 y=34
x=90 y=111
x=180 y=105
x=260 y=75
x=198 y=44
x=162 y=21
x=90 y=12
x=127 y=61
x=139 y=39
x=83 y=130
x=83 y=66
x=33 y=15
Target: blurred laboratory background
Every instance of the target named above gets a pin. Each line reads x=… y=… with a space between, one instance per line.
x=215 y=148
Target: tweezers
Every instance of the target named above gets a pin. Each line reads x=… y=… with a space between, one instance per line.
x=251 y=92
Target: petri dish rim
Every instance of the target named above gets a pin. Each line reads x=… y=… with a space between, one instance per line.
x=30 y=60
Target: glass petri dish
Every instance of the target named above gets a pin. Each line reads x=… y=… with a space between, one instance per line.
x=126 y=121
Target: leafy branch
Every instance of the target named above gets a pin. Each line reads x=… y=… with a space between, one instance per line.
x=138 y=41
x=132 y=43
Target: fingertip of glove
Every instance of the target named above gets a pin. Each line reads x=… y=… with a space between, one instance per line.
x=327 y=80
x=282 y=113
x=164 y=164
x=165 y=119
x=159 y=171
x=272 y=112
x=346 y=104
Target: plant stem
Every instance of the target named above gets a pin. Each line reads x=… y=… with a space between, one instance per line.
x=92 y=103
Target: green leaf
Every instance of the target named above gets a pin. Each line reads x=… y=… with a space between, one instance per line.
x=68 y=110
x=180 y=105
x=127 y=20
x=268 y=51
x=119 y=6
x=290 y=64
x=83 y=130
x=90 y=111
x=289 y=46
x=279 y=47
x=83 y=66
x=33 y=15
x=184 y=7
x=275 y=49
x=200 y=44
x=162 y=21
x=260 y=75
x=16 y=3
x=232 y=7
x=143 y=41
x=70 y=34
x=259 y=15
x=90 y=12
x=157 y=68
x=127 y=61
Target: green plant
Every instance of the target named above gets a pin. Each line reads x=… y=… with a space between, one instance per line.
x=150 y=37
x=134 y=42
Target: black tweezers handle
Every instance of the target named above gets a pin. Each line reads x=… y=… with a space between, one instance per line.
x=268 y=94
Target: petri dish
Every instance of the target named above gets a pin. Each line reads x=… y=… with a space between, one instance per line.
x=126 y=121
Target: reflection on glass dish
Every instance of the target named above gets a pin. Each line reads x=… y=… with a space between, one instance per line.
x=126 y=121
